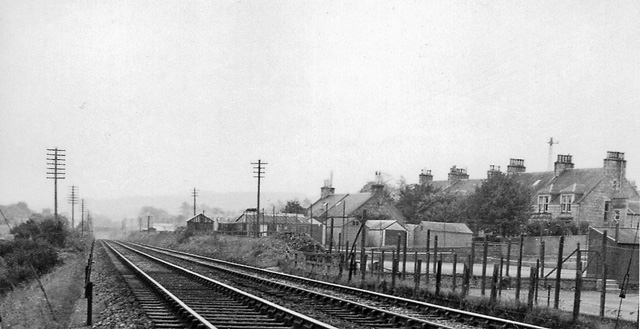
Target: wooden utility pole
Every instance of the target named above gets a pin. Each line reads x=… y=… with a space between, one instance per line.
x=55 y=165
x=73 y=200
x=258 y=171
x=194 y=194
x=82 y=218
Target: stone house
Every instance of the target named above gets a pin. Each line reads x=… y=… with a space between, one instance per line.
x=596 y=196
x=342 y=213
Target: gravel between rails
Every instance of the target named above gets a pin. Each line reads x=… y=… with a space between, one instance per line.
x=115 y=306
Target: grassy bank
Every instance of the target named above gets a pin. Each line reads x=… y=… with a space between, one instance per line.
x=26 y=305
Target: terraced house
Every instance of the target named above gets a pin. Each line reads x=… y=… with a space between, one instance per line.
x=601 y=197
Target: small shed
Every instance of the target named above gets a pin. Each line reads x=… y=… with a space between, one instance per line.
x=621 y=253
x=450 y=235
x=382 y=233
x=200 y=222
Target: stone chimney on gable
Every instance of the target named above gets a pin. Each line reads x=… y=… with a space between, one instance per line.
x=425 y=177
x=327 y=189
x=378 y=187
x=615 y=166
x=563 y=163
x=493 y=170
x=456 y=174
x=516 y=166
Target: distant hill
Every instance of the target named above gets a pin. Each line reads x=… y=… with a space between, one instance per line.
x=232 y=202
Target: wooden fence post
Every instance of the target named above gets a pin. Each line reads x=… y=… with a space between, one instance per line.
x=519 y=269
x=416 y=279
x=485 y=249
x=381 y=268
x=455 y=274
x=494 y=284
x=394 y=270
x=363 y=269
x=404 y=259
x=438 y=276
x=603 y=292
x=465 y=280
x=576 y=298
x=532 y=286
x=500 y=277
x=556 y=299
x=508 y=256
x=435 y=253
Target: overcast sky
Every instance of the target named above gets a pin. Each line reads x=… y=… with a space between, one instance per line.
x=159 y=97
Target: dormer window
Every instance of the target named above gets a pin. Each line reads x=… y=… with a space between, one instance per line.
x=565 y=203
x=543 y=203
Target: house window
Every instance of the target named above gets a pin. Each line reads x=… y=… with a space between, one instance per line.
x=565 y=203
x=543 y=203
x=607 y=209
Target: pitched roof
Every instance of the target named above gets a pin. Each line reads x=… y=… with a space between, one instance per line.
x=279 y=218
x=626 y=235
x=337 y=203
x=384 y=225
x=200 y=218
x=446 y=227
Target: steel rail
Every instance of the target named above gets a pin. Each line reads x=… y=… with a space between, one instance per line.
x=191 y=314
x=301 y=319
x=396 y=299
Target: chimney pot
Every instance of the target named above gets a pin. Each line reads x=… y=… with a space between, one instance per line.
x=563 y=163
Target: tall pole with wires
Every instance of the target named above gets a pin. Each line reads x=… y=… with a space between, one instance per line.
x=194 y=194
x=82 y=218
x=55 y=167
x=73 y=200
x=258 y=170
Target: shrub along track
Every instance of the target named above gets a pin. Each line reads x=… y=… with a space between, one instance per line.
x=362 y=307
x=174 y=297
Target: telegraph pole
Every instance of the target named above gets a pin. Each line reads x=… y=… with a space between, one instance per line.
x=73 y=200
x=82 y=220
x=259 y=171
x=55 y=163
x=194 y=194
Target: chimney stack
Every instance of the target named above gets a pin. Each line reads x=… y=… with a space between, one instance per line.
x=493 y=170
x=516 y=166
x=327 y=190
x=456 y=174
x=563 y=163
x=615 y=167
x=425 y=177
x=378 y=187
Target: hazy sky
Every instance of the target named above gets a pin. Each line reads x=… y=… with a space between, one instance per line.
x=159 y=97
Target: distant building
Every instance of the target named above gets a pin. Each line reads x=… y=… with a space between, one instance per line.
x=343 y=212
x=450 y=235
x=596 y=196
x=163 y=227
x=200 y=223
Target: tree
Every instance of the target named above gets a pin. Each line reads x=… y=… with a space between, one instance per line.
x=427 y=203
x=293 y=207
x=501 y=205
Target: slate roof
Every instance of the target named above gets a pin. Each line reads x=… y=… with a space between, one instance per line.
x=446 y=227
x=626 y=235
x=335 y=203
x=283 y=218
x=571 y=181
x=384 y=224
x=200 y=218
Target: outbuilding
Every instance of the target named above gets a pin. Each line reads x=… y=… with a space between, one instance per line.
x=200 y=223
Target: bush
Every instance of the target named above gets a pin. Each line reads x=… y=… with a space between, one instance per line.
x=21 y=255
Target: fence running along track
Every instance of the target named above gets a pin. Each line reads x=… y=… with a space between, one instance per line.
x=201 y=302
x=414 y=314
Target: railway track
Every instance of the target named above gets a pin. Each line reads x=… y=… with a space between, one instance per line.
x=174 y=297
x=362 y=307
